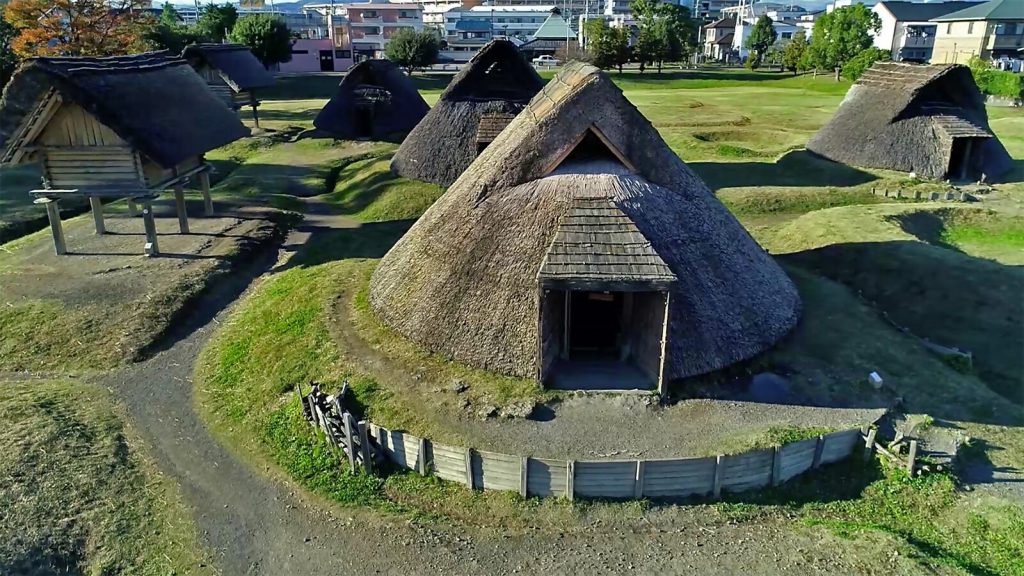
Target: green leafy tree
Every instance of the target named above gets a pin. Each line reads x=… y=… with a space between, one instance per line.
x=762 y=38
x=996 y=82
x=8 y=59
x=678 y=32
x=860 y=63
x=411 y=49
x=842 y=34
x=600 y=40
x=169 y=33
x=794 y=54
x=266 y=35
x=216 y=22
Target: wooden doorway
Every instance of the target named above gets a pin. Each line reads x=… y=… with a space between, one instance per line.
x=594 y=325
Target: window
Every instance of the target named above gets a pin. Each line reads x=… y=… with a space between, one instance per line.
x=949 y=28
x=970 y=27
x=342 y=53
x=1006 y=28
x=370 y=30
x=787 y=35
x=407 y=14
x=300 y=51
x=368 y=14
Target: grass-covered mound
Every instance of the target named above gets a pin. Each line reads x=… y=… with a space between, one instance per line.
x=368 y=191
x=77 y=496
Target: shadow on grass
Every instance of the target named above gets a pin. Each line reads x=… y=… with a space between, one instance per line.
x=323 y=86
x=796 y=168
x=1015 y=175
x=306 y=115
x=371 y=240
x=928 y=227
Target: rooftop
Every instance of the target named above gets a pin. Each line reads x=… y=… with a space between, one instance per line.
x=555 y=27
x=920 y=12
x=992 y=10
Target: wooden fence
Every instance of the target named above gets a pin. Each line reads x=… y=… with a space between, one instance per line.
x=615 y=479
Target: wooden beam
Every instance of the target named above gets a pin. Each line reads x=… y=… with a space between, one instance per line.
x=664 y=346
x=524 y=467
x=818 y=447
x=204 y=187
x=364 y=446
x=469 y=468
x=869 y=444
x=133 y=208
x=776 y=465
x=911 y=457
x=638 y=480
x=179 y=203
x=53 y=214
x=716 y=488
x=570 y=479
x=152 y=247
x=97 y=214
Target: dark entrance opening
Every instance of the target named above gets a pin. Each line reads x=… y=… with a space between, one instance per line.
x=370 y=100
x=960 y=159
x=327 y=60
x=595 y=326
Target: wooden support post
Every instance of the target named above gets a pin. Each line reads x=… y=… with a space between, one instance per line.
x=255 y=116
x=204 y=187
x=570 y=477
x=638 y=480
x=421 y=460
x=911 y=457
x=350 y=449
x=179 y=202
x=97 y=214
x=133 y=208
x=152 y=248
x=524 y=469
x=817 y=452
x=469 y=468
x=53 y=214
x=716 y=489
x=869 y=444
x=776 y=465
x=364 y=446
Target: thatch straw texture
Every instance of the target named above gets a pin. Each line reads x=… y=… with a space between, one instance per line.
x=906 y=117
x=237 y=65
x=374 y=100
x=496 y=81
x=464 y=280
x=155 y=102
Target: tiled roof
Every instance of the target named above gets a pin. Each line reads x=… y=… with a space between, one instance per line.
x=992 y=10
x=950 y=120
x=922 y=12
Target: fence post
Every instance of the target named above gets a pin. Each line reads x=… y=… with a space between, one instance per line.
x=869 y=444
x=346 y=419
x=469 y=468
x=364 y=446
x=776 y=465
x=638 y=480
x=818 y=448
x=421 y=460
x=570 y=474
x=716 y=490
x=524 y=467
x=911 y=457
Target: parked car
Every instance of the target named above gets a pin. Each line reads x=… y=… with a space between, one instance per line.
x=546 y=60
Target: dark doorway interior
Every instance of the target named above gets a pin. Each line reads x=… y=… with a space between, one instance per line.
x=327 y=60
x=595 y=325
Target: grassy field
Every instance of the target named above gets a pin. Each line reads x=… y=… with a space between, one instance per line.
x=78 y=494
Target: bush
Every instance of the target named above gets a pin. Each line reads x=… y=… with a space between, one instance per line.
x=996 y=82
x=860 y=63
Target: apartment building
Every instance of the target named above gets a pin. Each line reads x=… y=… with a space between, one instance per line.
x=907 y=31
x=990 y=30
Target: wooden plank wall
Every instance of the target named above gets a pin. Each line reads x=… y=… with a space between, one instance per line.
x=747 y=471
x=607 y=479
x=797 y=458
x=84 y=167
x=449 y=462
x=838 y=445
x=72 y=125
x=676 y=478
x=546 y=477
x=493 y=471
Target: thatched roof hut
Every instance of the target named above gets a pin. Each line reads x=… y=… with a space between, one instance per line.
x=232 y=71
x=913 y=118
x=126 y=126
x=592 y=250
x=490 y=90
x=375 y=100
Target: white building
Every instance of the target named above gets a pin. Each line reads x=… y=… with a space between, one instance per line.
x=906 y=32
x=784 y=32
x=519 y=22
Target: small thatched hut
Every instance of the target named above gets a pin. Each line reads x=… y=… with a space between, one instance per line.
x=232 y=71
x=591 y=257
x=480 y=101
x=375 y=100
x=914 y=118
x=122 y=127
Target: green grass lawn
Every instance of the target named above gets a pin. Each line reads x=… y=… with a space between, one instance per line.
x=78 y=495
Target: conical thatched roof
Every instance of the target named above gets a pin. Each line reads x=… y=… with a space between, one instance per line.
x=154 y=101
x=580 y=189
x=374 y=100
x=496 y=83
x=906 y=117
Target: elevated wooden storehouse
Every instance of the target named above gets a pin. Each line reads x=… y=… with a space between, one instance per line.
x=930 y=120
x=122 y=127
x=375 y=100
x=233 y=73
x=480 y=101
x=579 y=250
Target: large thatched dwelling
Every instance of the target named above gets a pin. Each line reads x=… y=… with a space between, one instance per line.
x=232 y=71
x=480 y=101
x=122 y=127
x=914 y=118
x=375 y=100
x=593 y=257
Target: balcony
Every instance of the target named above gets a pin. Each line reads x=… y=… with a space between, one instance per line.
x=919 y=41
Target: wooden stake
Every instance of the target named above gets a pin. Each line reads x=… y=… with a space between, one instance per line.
x=911 y=457
x=152 y=247
x=53 y=214
x=716 y=490
x=204 y=187
x=570 y=477
x=346 y=419
x=776 y=465
x=818 y=448
x=469 y=468
x=869 y=444
x=364 y=446
x=421 y=460
x=524 y=467
x=179 y=202
x=638 y=480
x=97 y=214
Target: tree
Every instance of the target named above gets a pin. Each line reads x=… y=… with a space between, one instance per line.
x=76 y=27
x=411 y=49
x=860 y=63
x=842 y=34
x=169 y=33
x=216 y=22
x=8 y=59
x=762 y=37
x=794 y=54
x=607 y=46
x=266 y=35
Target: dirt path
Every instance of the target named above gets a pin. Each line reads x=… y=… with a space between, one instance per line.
x=258 y=523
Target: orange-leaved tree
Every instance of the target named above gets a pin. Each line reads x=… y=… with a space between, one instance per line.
x=77 y=27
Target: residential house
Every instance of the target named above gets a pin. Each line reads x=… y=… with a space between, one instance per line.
x=907 y=32
x=717 y=43
x=990 y=30
x=364 y=29
x=554 y=37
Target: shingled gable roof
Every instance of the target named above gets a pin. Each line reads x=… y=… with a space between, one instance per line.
x=237 y=64
x=402 y=110
x=154 y=101
x=619 y=212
